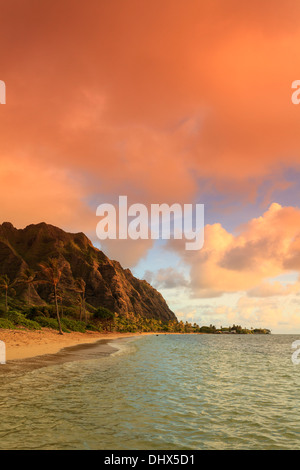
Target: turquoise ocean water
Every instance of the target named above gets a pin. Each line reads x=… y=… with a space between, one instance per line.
x=160 y=392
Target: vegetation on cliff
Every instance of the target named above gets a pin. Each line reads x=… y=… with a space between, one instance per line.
x=54 y=279
x=42 y=264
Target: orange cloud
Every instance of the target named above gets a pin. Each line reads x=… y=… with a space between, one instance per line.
x=159 y=101
x=263 y=248
x=267 y=313
x=152 y=97
x=49 y=195
x=274 y=289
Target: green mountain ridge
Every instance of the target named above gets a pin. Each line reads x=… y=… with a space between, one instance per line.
x=107 y=283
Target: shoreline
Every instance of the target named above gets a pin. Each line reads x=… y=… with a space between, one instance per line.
x=75 y=347
x=28 y=344
x=27 y=350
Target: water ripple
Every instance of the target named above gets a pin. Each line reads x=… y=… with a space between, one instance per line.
x=166 y=392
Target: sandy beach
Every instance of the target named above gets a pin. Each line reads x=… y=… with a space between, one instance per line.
x=23 y=344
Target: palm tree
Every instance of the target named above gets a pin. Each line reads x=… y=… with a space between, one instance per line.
x=28 y=278
x=78 y=302
x=53 y=270
x=60 y=298
x=80 y=288
x=6 y=284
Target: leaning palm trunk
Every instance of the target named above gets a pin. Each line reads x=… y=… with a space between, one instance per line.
x=80 y=288
x=57 y=311
x=28 y=294
x=6 y=303
x=6 y=284
x=84 y=309
x=53 y=271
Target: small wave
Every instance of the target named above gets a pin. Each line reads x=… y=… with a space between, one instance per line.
x=123 y=348
x=176 y=393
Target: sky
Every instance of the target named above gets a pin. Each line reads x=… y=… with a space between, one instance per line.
x=164 y=101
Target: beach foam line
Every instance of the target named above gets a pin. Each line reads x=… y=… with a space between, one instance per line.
x=124 y=346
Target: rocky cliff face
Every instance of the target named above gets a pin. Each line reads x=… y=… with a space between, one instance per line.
x=107 y=283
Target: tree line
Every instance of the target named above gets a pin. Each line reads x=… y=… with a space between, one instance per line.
x=51 y=271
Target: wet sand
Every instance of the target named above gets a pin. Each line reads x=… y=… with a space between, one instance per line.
x=22 y=344
x=79 y=352
x=28 y=350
